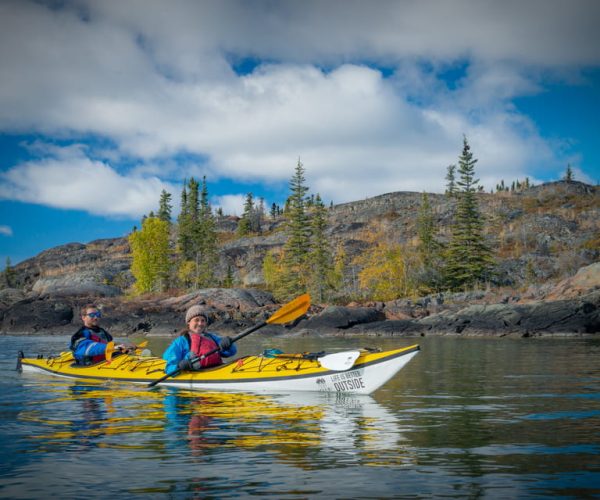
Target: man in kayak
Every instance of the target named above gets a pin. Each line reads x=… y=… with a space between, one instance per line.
x=89 y=342
x=196 y=341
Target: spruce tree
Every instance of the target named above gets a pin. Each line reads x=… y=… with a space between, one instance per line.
x=205 y=241
x=184 y=224
x=451 y=184
x=165 y=207
x=292 y=275
x=245 y=223
x=468 y=258
x=569 y=174
x=297 y=246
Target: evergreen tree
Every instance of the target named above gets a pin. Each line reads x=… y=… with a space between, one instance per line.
x=197 y=236
x=150 y=256
x=451 y=184
x=297 y=246
x=245 y=223
x=468 y=258
x=165 y=207
x=184 y=223
x=569 y=177
x=205 y=241
x=274 y=211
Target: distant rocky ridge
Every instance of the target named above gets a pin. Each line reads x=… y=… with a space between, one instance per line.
x=543 y=236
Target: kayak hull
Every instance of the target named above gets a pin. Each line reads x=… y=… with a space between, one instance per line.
x=284 y=373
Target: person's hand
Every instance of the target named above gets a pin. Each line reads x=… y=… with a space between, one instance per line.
x=225 y=343
x=184 y=364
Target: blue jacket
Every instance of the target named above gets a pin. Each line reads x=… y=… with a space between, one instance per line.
x=89 y=343
x=180 y=349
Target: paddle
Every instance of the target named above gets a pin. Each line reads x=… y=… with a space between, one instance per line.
x=285 y=314
x=339 y=361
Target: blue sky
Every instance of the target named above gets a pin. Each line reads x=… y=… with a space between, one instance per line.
x=104 y=104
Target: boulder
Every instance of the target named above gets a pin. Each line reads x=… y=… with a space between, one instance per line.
x=338 y=317
x=574 y=316
x=38 y=315
x=75 y=285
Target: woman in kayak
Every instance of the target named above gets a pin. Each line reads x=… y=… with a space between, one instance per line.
x=195 y=341
x=89 y=342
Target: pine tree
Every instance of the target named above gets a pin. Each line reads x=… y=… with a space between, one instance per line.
x=451 y=184
x=468 y=258
x=184 y=226
x=297 y=246
x=205 y=241
x=150 y=256
x=569 y=177
x=165 y=207
x=245 y=223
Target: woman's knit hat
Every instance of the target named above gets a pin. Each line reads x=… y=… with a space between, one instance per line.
x=194 y=311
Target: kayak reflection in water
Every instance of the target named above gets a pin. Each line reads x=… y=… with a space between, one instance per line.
x=194 y=342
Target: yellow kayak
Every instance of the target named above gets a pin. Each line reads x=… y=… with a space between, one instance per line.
x=355 y=372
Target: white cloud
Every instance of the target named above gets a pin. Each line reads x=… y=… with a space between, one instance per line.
x=232 y=204
x=157 y=83
x=71 y=180
x=6 y=230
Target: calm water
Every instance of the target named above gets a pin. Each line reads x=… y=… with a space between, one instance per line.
x=466 y=418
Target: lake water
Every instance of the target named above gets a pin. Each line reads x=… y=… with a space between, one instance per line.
x=466 y=418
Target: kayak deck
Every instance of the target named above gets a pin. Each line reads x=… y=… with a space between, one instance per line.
x=286 y=372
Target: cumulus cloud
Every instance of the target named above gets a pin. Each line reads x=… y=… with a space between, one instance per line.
x=70 y=180
x=160 y=83
x=6 y=230
x=232 y=204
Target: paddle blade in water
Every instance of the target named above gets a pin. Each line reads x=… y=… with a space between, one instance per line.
x=291 y=311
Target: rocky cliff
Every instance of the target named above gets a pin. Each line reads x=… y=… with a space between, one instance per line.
x=541 y=236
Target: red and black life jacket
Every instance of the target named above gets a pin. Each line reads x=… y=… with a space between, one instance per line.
x=207 y=344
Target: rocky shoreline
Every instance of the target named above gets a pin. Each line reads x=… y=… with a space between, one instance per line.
x=568 y=308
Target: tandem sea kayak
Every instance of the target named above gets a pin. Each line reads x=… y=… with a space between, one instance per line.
x=353 y=372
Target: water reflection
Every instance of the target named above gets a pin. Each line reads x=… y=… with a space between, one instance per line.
x=307 y=430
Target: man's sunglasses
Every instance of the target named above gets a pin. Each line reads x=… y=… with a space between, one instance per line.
x=96 y=314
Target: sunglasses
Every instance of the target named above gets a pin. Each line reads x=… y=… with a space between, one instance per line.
x=96 y=314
